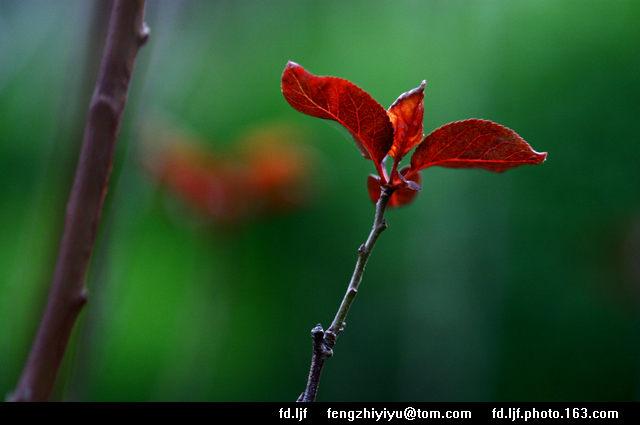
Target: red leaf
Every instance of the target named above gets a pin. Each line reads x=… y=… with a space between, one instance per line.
x=400 y=197
x=342 y=101
x=474 y=144
x=406 y=115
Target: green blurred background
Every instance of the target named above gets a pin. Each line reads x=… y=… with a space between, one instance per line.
x=521 y=286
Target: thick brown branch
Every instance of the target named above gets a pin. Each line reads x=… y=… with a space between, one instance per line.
x=127 y=32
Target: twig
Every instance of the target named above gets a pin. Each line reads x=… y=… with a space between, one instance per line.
x=127 y=32
x=324 y=341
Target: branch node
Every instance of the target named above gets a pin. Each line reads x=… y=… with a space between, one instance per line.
x=317 y=333
x=106 y=109
x=79 y=301
x=143 y=34
x=330 y=337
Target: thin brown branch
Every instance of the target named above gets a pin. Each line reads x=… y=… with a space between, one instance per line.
x=127 y=32
x=325 y=341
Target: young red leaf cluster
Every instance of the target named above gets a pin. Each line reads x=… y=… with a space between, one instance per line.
x=380 y=133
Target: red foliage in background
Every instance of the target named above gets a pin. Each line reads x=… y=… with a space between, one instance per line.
x=267 y=173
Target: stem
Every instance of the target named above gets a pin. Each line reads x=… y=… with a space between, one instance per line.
x=127 y=32
x=323 y=342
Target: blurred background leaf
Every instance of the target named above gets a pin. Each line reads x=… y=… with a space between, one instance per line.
x=521 y=286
